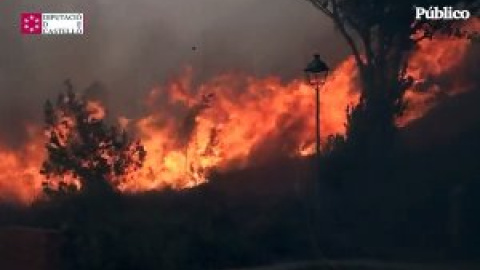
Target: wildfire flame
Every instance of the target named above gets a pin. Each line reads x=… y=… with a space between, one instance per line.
x=20 y=180
x=235 y=120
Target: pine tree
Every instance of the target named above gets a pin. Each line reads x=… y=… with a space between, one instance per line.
x=83 y=152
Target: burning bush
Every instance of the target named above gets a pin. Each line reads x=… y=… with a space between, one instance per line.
x=83 y=152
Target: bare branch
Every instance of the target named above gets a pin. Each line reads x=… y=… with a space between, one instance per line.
x=349 y=39
x=322 y=5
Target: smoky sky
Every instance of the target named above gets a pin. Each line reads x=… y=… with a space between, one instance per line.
x=130 y=46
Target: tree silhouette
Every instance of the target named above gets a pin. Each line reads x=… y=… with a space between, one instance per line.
x=381 y=34
x=83 y=152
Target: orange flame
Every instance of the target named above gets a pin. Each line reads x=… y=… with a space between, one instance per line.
x=20 y=180
x=235 y=120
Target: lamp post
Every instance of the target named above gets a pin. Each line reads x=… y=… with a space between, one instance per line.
x=316 y=74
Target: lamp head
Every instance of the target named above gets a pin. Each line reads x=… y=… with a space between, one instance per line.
x=316 y=71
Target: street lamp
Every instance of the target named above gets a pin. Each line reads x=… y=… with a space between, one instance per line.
x=316 y=74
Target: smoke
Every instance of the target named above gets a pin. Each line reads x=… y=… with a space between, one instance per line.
x=130 y=46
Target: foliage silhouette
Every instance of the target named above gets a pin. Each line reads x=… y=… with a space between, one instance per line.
x=381 y=35
x=83 y=152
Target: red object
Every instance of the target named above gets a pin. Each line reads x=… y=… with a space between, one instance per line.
x=31 y=23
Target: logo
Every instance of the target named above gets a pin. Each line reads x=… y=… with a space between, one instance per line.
x=31 y=23
x=445 y=13
x=51 y=23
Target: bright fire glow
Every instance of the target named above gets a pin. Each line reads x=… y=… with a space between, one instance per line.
x=233 y=120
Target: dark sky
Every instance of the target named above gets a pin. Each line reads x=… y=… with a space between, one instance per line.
x=132 y=45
